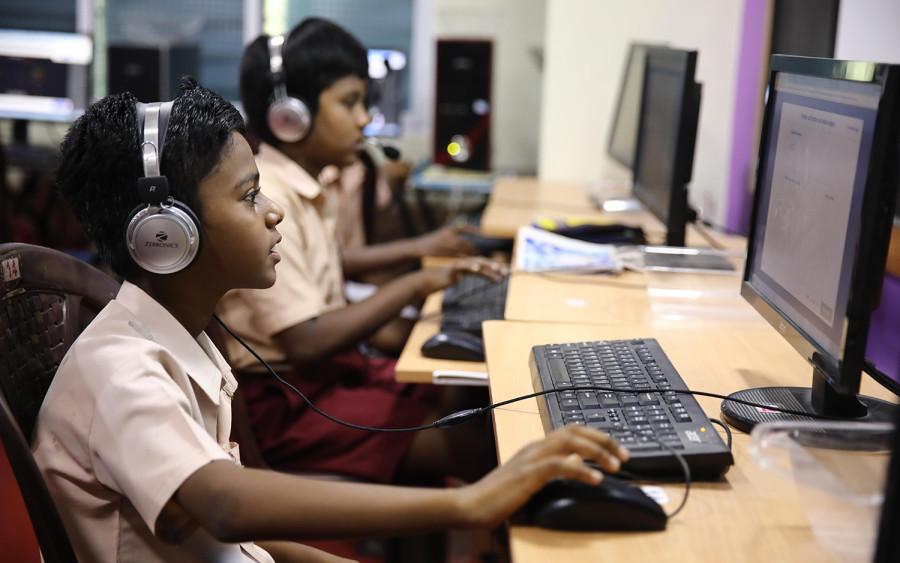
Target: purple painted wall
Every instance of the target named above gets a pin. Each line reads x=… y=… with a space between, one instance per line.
x=751 y=63
x=884 y=330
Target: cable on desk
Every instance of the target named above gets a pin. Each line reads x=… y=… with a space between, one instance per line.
x=727 y=431
x=464 y=416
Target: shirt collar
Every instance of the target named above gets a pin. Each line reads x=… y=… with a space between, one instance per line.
x=155 y=323
x=289 y=172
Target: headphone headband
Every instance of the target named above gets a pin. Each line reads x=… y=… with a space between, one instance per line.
x=155 y=118
x=288 y=118
x=276 y=59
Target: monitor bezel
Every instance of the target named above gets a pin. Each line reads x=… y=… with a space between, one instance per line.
x=677 y=213
x=843 y=374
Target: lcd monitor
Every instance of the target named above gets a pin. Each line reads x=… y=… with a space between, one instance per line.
x=44 y=76
x=667 y=131
x=827 y=180
x=623 y=133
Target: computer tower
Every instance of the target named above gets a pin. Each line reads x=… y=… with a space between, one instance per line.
x=150 y=73
x=462 y=123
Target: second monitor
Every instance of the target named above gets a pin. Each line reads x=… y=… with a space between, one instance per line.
x=664 y=157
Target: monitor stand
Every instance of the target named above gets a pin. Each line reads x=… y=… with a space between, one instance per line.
x=819 y=399
x=613 y=196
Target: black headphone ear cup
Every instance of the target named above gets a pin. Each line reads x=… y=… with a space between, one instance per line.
x=289 y=119
x=163 y=239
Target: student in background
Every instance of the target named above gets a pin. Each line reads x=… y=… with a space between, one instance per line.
x=303 y=325
x=362 y=180
x=132 y=437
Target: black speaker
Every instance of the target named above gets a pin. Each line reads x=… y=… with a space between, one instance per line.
x=150 y=73
x=462 y=122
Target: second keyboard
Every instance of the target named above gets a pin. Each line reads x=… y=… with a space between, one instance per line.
x=647 y=415
x=471 y=301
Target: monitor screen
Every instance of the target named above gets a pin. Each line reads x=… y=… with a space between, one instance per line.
x=826 y=184
x=44 y=75
x=387 y=67
x=666 y=135
x=623 y=133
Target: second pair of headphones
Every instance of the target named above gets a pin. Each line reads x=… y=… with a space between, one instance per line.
x=163 y=234
x=288 y=118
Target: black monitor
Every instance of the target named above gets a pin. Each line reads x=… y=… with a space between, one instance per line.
x=384 y=97
x=44 y=75
x=827 y=179
x=664 y=157
x=626 y=115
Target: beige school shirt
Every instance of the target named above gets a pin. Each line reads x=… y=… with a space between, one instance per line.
x=350 y=229
x=309 y=278
x=136 y=407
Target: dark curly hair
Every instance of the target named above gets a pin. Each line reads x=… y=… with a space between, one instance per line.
x=100 y=162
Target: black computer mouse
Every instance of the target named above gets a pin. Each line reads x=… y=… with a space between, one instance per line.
x=454 y=345
x=611 y=505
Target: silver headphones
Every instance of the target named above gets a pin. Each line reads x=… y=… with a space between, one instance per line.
x=163 y=234
x=289 y=118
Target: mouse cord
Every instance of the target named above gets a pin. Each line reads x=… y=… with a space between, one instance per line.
x=687 y=478
x=307 y=401
x=727 y=431
x=460 y=417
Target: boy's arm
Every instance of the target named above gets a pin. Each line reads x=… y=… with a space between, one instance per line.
x=315 y=339
x=291 y=552
x=237 y=504
x=442 y=242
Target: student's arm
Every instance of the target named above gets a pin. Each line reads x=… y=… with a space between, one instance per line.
x=315 y=339
x=442 y=242
x=239 y=504
x=290 y=552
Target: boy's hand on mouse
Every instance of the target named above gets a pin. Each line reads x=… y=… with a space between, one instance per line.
x=501 y=492
x=446 y=241
x=437 y=278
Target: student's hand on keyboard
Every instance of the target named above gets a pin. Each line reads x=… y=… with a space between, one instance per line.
x=561 y=454
x=446 y=241
x=434 y=279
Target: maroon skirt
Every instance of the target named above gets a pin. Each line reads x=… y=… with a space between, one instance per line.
x=350 y=387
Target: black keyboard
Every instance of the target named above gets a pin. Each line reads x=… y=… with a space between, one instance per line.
x=471 y=301
x=643 y=417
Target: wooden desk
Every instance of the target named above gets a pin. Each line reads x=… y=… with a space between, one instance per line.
x=583 y=299
x=412 y=366
x=503 y=219
x=749 y=515
x=528 y=189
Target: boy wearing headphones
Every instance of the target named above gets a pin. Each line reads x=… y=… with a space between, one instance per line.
x=132 y=437
x=304 y=96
